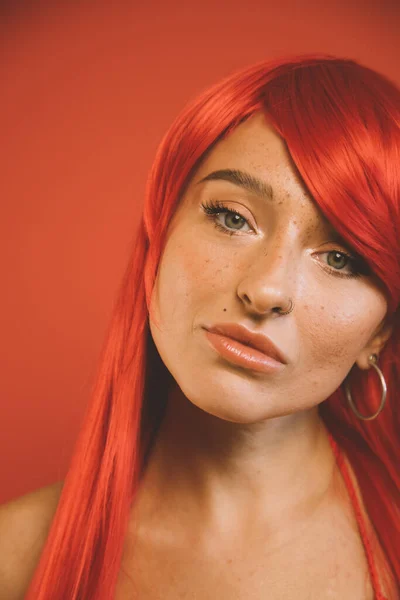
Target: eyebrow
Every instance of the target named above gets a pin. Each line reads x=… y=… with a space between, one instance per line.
x=242 y=179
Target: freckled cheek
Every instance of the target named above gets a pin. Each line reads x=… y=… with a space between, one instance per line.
x=186 y=277
x=334 y=334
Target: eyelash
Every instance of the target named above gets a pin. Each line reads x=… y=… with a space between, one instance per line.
x=213 y=208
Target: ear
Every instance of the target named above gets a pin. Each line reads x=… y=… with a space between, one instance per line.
x=376 y=343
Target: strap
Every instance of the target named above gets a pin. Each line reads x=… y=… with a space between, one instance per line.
x=359 y=516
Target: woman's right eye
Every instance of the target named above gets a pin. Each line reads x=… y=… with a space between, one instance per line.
x=214 y=208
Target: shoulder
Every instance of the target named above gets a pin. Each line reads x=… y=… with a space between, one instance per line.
x=24 y=525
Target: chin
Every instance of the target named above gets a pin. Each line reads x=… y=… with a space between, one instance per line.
x=241 y=413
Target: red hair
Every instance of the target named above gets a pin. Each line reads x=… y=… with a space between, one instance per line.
x=341 y=124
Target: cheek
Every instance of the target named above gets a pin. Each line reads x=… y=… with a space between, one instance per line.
x=185 y=279
x=336 y=332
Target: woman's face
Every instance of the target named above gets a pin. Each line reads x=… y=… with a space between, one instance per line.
x=280 y=249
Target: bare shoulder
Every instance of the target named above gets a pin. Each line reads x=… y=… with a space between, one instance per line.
x=24 y=525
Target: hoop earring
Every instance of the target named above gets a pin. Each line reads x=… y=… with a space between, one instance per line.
x=288 y=311
x=372 y=360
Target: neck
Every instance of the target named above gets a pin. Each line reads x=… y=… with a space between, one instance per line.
x=222 y=474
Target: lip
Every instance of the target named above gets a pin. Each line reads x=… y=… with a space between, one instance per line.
x=250 y=339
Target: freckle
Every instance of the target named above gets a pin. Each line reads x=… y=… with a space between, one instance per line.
x=323 y=307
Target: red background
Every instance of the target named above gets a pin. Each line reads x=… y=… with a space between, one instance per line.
x=87 y=91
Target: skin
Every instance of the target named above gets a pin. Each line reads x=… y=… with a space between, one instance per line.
x=239 y=452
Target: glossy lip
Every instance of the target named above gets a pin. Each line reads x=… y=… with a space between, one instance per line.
x=258 y=341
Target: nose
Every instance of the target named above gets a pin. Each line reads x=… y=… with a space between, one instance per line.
x=269 y=283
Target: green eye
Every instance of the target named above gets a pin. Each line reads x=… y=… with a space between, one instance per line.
x=339 y=259
x=215 y=208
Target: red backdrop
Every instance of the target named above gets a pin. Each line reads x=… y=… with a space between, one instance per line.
x=87 y=91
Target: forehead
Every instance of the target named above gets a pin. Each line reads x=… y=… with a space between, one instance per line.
x=255 y=147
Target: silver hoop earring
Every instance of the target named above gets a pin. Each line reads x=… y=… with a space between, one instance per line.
x=372 y=361
x=288 y=311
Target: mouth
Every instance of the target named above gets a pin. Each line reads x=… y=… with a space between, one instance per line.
x=250 y=339
x=243 y=355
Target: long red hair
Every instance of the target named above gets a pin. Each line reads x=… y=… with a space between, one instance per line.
x=341 y=123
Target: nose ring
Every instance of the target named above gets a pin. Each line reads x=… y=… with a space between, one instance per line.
x=288 y=311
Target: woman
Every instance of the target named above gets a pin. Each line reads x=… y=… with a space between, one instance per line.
x=206 y=468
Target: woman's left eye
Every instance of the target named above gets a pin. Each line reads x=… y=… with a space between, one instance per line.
x=338 y=261
x=214 y=209
x=336 y=258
